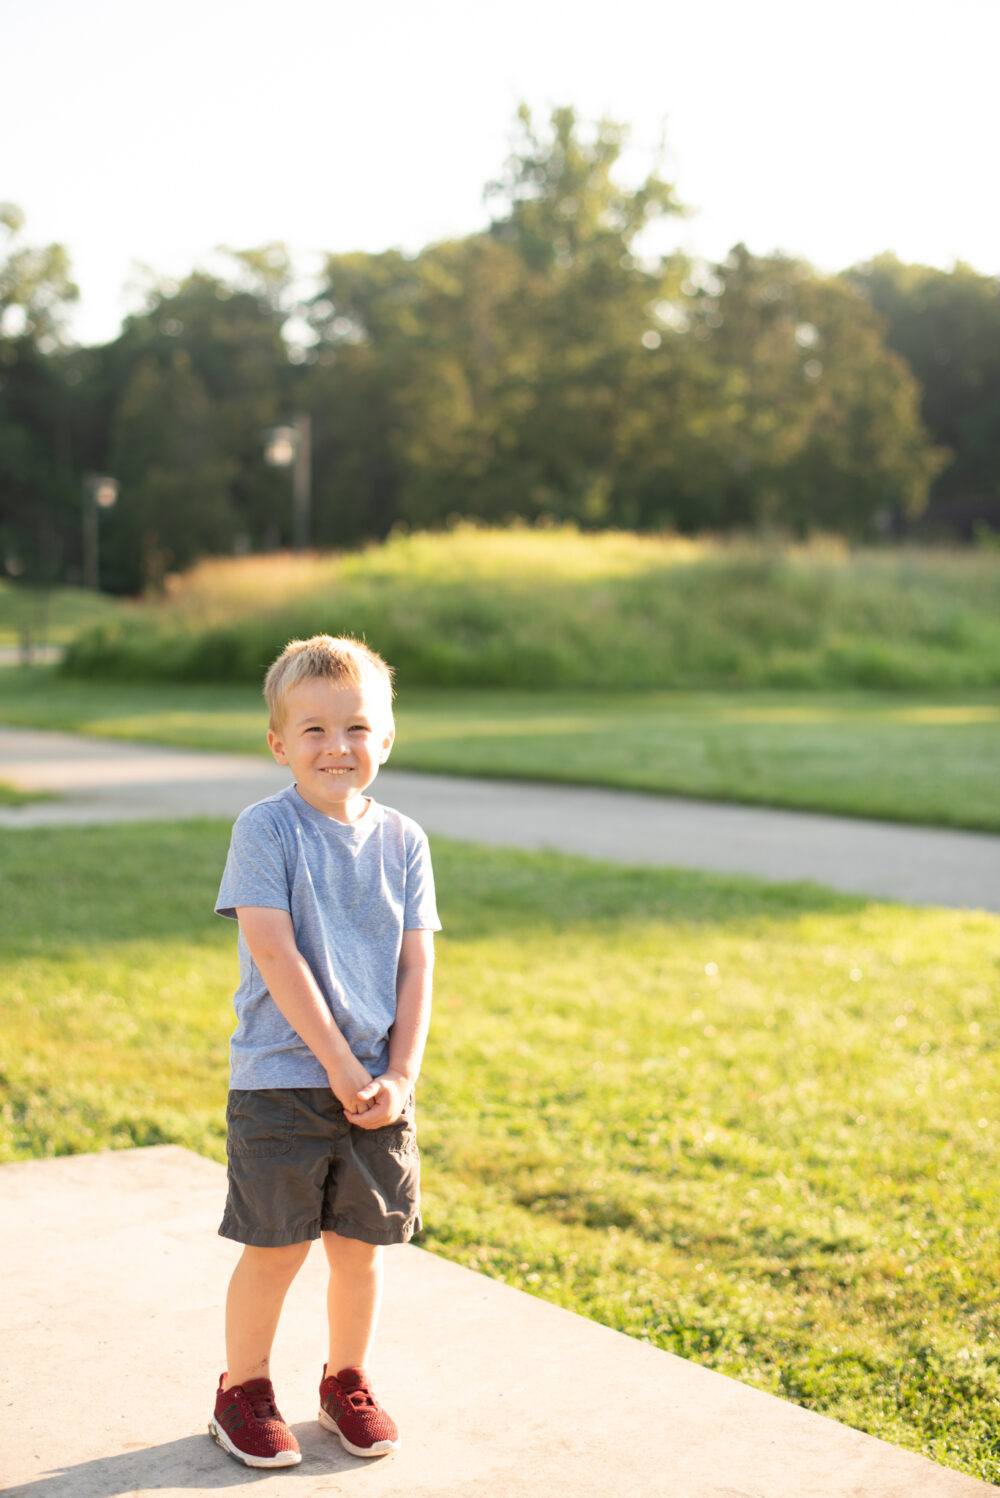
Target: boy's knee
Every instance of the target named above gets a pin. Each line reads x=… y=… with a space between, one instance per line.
x=276 y=1262
x=350 y=1253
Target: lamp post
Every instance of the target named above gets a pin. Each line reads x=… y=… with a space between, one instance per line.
x=99 y=493
x=291 y=447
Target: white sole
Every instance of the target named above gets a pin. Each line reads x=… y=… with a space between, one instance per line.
x=381 y=1448
x=283 y=1459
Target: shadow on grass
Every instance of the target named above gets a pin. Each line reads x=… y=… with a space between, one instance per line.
x=480 y=888
x=89 y=885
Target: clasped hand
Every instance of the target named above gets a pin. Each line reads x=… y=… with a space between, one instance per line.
x=370 y=1102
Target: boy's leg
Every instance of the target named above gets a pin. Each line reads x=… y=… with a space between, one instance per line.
x=347 y=1405
x=353 y=1299
x=371 y=1194
x=257 y=1292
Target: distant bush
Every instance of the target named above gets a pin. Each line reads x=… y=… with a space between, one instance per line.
x=33 y=614
x=556 y=608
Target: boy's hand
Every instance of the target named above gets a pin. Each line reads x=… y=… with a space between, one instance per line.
x=351 y=1084
x=384 y=1099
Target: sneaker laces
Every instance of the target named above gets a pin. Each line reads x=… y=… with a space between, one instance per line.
x=261 y=1400
x=360 y=1398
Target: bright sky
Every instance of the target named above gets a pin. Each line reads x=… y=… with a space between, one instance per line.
x=142 y=131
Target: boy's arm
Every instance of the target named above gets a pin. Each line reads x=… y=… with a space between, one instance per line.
x=414 y=980
x=290 y=982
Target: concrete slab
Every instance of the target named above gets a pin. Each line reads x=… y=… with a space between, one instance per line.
x=114 y=1282
x=110 y=780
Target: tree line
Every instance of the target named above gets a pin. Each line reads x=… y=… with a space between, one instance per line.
x=547 y=366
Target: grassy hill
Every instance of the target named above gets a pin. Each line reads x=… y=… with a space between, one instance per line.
x=559 y=609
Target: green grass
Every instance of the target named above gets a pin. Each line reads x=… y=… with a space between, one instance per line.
x=912 y=759
x=559 y=610
x=755 y=1125
x=929 y=757
x=10 y=795
x=52 y=616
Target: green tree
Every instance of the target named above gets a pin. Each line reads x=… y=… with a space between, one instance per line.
x=946 y=325
x=792 y=412
x=35 y=286
x=495 y=375
x=365 y=316
x=584 y=313
x=414 y=386
x=175 y=480
x=224 y=339
x=39 y=499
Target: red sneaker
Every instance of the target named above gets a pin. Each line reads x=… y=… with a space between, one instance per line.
x=349 y=1408
x=247 y=1424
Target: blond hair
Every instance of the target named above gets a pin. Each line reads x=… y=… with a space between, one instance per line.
x=338 y=659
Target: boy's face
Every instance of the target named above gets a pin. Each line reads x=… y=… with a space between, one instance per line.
x=334 y=737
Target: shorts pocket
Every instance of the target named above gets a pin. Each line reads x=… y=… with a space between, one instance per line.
x=260 y=1124
x=399 y=1138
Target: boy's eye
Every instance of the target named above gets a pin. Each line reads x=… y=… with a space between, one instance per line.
x=360 y=728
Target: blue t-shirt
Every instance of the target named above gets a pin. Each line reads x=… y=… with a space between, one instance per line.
x=352 y=889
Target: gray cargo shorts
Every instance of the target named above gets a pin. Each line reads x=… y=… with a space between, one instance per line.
x=298 y=1168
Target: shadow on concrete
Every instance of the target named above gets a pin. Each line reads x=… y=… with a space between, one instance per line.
x=497 y=1393
x=196 y=1463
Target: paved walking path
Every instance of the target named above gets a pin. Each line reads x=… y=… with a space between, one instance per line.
x=37 y=655
x=111 y=1329
x=112 y=780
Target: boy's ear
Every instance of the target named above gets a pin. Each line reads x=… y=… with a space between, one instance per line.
x=276 y=746
x=387 y=743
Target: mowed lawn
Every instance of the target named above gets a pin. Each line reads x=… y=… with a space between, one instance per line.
x=929 y=757
x=755 y=1125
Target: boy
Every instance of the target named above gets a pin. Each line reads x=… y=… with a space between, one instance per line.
x=334 y=896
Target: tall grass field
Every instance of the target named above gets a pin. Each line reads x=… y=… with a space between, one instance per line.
x=555 y=609
x=754 y=1125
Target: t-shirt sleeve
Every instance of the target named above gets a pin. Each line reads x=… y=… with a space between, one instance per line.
x=420 y=913
x=256 y=871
